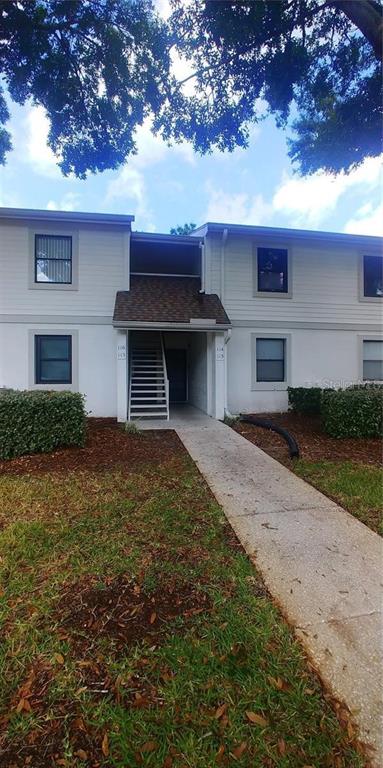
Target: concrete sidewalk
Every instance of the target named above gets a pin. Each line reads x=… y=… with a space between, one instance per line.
x=322 y=566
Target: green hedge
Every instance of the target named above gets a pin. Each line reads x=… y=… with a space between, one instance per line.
x=353 y=412
x=38 y=422
x=305 y=399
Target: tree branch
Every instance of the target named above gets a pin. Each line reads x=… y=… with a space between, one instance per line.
x=367 y=16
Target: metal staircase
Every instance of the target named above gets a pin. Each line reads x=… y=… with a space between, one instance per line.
x=148 y=381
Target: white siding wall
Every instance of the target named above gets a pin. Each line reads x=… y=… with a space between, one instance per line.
x=322 y=358
x=324 y=279
x=101 y=272
x=96 y=361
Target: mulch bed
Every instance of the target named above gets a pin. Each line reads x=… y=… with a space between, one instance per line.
x=107 y=445
x=314 y=444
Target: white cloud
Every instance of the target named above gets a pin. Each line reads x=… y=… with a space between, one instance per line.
x=69 y=202
x=38 y=154
x=367 y=221
x=130 y=182
x=236 y=208
x=308 y=200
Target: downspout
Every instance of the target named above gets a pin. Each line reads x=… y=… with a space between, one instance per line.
x=203 y=267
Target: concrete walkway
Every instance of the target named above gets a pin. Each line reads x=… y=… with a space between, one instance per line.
x=321 y=565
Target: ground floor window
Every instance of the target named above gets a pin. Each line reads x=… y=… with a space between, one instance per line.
x=53 y=359
x=270 y=360
x=372 y=360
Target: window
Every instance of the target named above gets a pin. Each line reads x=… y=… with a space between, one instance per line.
x=270 y=359
x=372 y=360
x=372 y=276
x=272 y=270
x=53 y=259
x=53 y=359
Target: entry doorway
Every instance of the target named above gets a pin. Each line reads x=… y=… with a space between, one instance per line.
x=176 y=364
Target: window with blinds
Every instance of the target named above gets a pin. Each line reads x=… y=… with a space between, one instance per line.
x=372 y=360
x=270 y=359
x=53 y=359
x=53 y=259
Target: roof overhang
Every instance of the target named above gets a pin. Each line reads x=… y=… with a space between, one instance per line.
x=137 y=325
x=166 y=239
x=283 y=233
x=34 y=214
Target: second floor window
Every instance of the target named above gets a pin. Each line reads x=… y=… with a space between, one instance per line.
x=53 y=259
x=272 y=274
x=372 y=276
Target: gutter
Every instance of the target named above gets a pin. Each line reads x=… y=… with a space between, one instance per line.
x=138 y=324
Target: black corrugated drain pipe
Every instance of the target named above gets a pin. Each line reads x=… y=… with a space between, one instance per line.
x=267 y=424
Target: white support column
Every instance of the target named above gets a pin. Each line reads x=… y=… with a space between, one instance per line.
x=122 y=374
x=219 y=368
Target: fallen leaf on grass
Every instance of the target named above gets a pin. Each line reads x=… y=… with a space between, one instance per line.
x=105 y=745
x=23 y=706
x=153 y=617
x=59 y=658
x=220 y=711
x=149 y=746
x=281 y=746
x=253 y=717
x=220 y=754
x=81 y=754
x=238 y=751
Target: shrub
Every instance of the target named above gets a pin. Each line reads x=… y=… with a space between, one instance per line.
x=37 y=422
x=305 y=399
x=353 y=412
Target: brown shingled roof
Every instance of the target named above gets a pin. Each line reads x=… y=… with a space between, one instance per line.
x=167 y=300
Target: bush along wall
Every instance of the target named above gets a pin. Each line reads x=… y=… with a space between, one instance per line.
x=353 y=412
x=305 y=399
x=38 y=422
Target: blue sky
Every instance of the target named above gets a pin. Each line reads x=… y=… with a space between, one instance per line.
x=165 y=186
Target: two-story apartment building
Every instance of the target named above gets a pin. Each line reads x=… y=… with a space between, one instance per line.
x=225 y=319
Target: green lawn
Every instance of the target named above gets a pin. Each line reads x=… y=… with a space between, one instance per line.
x=135 y=631
x=357 y=487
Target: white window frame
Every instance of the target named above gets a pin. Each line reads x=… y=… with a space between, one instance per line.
x=362 y=339
x=273 y=294
x=62 y=232
x=270 y=386
x=74 y=385
x=362 y=297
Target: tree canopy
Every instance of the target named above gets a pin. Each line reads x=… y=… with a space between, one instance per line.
x=183 y=229
x=99 y=67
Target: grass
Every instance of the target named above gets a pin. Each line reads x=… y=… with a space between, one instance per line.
x=357 y=487
x=135 y=632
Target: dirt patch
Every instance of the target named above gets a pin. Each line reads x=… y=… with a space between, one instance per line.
x=314 y=444
x=48 y=747
x=107 y=445
x=122 y=612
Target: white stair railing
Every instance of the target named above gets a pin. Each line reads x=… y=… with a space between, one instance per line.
x=166 y=375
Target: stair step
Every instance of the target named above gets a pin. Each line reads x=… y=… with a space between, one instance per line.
x=148 y=399
x=150 y=413
x=150 y=405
